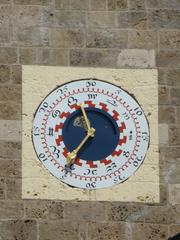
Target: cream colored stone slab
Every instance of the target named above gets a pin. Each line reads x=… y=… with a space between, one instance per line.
x=37 y=182
x=146 y=192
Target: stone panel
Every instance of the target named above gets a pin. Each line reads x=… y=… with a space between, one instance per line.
x=175 y=96
x=13 y=188
x=174 y=135
x=136 y=58
x=93 y=57
x=142 y=39
x=2 y=188
x=137 y=20
x=10 y=150
x=125 y=212
x=122 y=19
x=10 y=130
x=52 y=56
x=169 y=4
x=16 y=74
x=101 y=19
x=173 y=77
x=98 y=5
x=167 y=114
x=18 y=229
x=117 y=4
x=136 y=4
x=72 y=4
x=169 y=39
x=8 y=55
x=164 y=95
x=4 y=74
x=109 y=230
x=10 y=110
x=27 y=56
x=58 y=230
x=160 y=19
x=11 y=209
x=149 y=231
x=152 y=3
x=168 y=58
x=67 y=38
x=10 y=168
x=105 y=38
x=5 y=14
x=69 y=19
x=174 y=193
x=11 y=92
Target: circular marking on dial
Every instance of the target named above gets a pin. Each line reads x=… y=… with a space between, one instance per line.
x=58 y=119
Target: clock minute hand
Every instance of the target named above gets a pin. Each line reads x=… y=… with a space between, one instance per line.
x=72 y=155
x=85 y=117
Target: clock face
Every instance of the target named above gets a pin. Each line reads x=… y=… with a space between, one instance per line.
x=90 y=134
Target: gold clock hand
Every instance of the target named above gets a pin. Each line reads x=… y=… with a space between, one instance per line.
x=85 y=117
x=72 y=155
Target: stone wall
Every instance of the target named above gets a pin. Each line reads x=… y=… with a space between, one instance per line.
x=97 y=33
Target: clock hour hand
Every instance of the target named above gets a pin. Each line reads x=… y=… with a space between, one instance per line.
x=72 y=155
x=85 y=117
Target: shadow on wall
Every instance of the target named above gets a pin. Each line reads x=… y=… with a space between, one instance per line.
x=176 y=237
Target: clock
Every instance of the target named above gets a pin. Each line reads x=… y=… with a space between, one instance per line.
x=90 y=134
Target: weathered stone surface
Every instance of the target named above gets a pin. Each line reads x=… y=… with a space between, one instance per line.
x=10 y=130
x=33 y=2
x=117 y=4
x=158 y=19
x=4 y=74
x=30 y=36
x=152 y=3
x=101 y=19
x=163 y=134
x=2 y=188
x=58 y=230
x=174 y=135
x=43 y=209
x=69 y=19
x=48 y=17
x=11 y=92
x=169 y=4
x=105 y=38
x=125 y=212
x=13 y=188
x=162 y=76
x=175 y=96
x=27 y=16
x=173 y=77
x=142 y=39
x=136 y=58
x=163 y=193
x=164 y=95
x=98 y=5
x=167 y=114
x=168 y=58
x=27 y=56
x=10 y=110
x=84 y=211
x=52 y=57
x=108 y=230
x=11 y=209
x=174 y=173
x=137 y=4
x=72 y=4
x=169 y=39
x=178 y=116
x=5 y=1
x=8 y=55
x=16 y=74
x=93 y=57
x=10 y=168
x=159 y=214
x=137 y=20
x=18 y=229
x=122 y=19
x=149 y=231
x=66 y=38
x=10 y=150
x=170 y=154
x=5 y=13
x=174 y=193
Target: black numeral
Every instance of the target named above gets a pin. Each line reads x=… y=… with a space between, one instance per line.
x=91 y=185
x=36 y=131
x=90 y=83
x=89 y=171
x=126 y=116
x=126 y=154
x=112 y=102
x=110 y=168
x=138 y=111
x=44 y=106
x=55 y=152
x=71 y=101
x=137 y=161
x=55 y=113
x=43 y=157
x=62 y=90
x=92 y=96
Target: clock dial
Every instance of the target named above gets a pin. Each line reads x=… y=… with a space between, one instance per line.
x=90 y=134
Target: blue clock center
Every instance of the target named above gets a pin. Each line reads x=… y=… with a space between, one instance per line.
x=105 y=138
